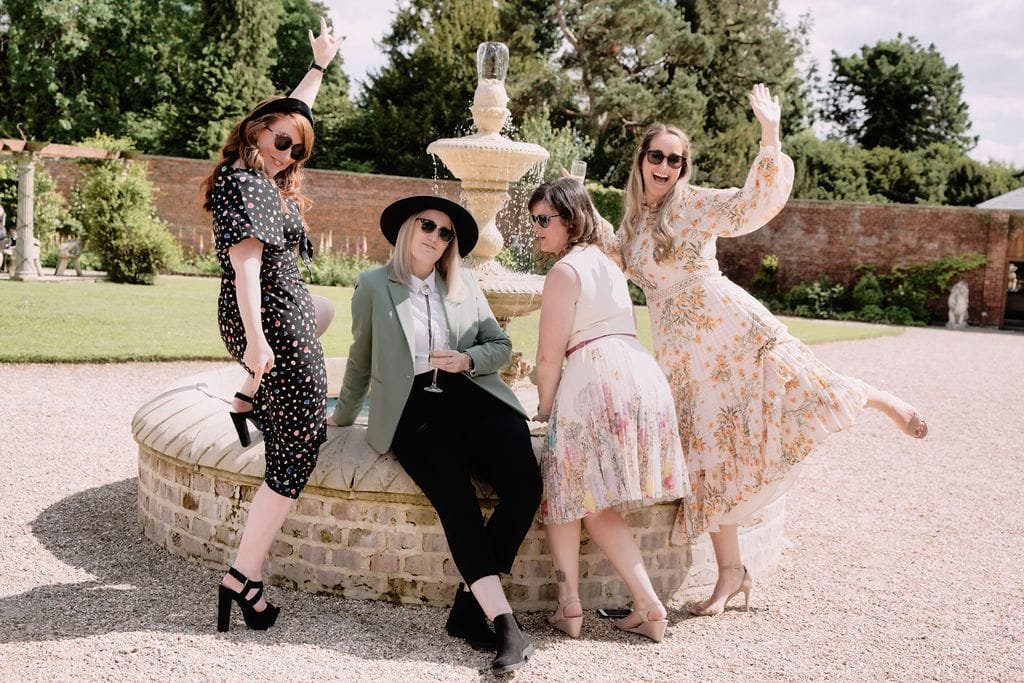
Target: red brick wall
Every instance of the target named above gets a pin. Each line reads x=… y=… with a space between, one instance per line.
x=813 y=238
x=810 y=238
x=343 y=204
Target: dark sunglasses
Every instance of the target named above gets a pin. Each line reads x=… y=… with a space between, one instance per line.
x=428 y=226
x=283 y=142
x=656 y=156
x=542 y=220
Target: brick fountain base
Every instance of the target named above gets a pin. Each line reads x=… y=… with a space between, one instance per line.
x=361 y=528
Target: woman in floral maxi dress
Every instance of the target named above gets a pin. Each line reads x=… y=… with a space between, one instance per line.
x=613 y=441
x=751 y=400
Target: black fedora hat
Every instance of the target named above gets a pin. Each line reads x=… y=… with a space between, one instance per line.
x=398 y=212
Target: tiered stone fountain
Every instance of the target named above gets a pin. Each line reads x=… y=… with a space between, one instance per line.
x=486 y=162
x=361 y=528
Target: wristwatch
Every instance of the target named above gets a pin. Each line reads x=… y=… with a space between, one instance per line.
x=472 y=365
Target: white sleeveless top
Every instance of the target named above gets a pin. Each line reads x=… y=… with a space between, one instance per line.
x=604 y=306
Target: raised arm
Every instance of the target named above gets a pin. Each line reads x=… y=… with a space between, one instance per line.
x=733 y=212
x=325 y=46
x=768 y=113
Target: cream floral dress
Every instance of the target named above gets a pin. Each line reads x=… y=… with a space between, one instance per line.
x=751 y=400
x=612 y=439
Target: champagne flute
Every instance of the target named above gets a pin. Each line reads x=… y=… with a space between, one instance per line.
x=437 y=343
x=578 y=170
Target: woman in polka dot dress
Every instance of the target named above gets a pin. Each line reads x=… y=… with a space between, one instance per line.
x=267 y=318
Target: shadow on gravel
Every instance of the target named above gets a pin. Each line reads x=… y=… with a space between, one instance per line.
x=140 y=587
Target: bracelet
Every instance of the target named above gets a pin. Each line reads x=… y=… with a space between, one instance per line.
x=314 y=65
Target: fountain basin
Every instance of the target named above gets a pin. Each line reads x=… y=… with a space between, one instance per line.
x=362 y=529
x=487 y=160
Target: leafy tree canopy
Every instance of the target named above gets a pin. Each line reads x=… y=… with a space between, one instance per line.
x=898 y=94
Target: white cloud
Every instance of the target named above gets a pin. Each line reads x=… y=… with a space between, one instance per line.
x=988 y=150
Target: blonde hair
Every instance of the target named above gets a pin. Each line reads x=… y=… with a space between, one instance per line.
x=449 y=265
x=242 y=144
x=635 y=199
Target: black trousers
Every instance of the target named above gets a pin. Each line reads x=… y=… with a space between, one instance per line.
x=443 y=439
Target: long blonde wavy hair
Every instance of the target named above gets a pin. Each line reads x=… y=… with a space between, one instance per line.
x=449 y=265
x=635 y=201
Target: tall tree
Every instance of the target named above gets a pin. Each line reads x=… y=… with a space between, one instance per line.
x=76 y=67
x=751 y=43
x=236 y=53
x=898 y=94
x=631 y=62
x=424 y=90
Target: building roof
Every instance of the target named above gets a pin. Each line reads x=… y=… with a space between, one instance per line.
x=1012 y=200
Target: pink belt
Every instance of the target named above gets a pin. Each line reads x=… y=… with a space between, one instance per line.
x=583 y=343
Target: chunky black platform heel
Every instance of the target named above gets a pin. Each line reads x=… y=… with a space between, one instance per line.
x=258 y=621
x=239 y=419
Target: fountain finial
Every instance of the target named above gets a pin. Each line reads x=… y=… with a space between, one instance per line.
x=490 y=111
x=486 y=162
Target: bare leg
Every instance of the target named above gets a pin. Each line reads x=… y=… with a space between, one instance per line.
x=248 y=388
x=324 y=313
x=726 y=542
x=900 y=412
x=266 y=516
x=491 y=596
x=564 y=540
x=614 y=538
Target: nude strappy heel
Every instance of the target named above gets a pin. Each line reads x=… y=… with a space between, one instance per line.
x=649 y=628
x=570 y=626
x=746 y=585
x=917 y=427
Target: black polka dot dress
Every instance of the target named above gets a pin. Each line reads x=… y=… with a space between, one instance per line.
x=290 y=404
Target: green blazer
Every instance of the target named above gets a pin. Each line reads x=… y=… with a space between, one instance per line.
x=381 y=358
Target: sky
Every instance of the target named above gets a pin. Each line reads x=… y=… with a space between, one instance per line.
x=982 y=37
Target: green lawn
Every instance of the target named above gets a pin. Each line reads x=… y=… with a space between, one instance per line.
x=176 y=319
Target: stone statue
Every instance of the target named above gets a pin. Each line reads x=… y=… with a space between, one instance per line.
x=958 y=298
x=1012 y=285
x=70 y=250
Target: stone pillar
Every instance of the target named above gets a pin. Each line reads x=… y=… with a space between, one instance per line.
x=24 y=268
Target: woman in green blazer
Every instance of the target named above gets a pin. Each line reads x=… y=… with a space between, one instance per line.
x=428 y=349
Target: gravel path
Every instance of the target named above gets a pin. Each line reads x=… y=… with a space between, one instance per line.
x=902 y=562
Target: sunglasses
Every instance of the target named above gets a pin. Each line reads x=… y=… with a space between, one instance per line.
x=283 y=142
x=428 y=226
x=542 y=220
x=656 y=156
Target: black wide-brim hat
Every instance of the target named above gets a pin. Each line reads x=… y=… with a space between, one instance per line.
x=398 y=212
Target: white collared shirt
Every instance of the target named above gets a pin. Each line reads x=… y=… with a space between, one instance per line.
x=421 y=363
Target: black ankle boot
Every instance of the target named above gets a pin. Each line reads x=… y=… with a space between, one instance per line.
x=468 y=621
x=514 y=647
